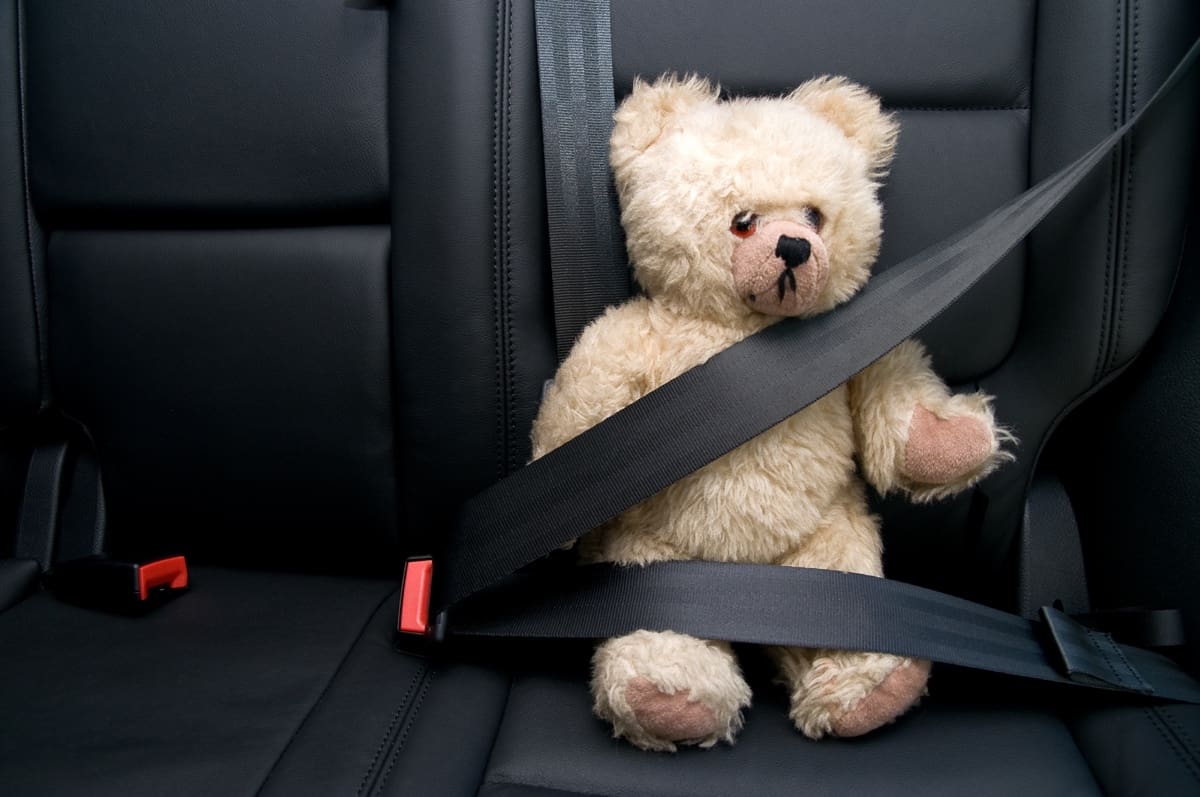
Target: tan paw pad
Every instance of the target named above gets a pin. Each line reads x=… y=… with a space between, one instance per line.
x=901 y=689
x=941 y=450
x=669 y=716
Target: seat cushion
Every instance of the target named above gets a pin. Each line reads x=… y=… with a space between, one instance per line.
x=201 y=696
x=550 y=744
x=270 y=684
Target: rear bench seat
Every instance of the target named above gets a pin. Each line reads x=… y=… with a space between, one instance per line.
x=285 y=265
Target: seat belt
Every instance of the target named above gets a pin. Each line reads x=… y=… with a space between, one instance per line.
x=587 y=249
x=810 y=608
x=1050 y=569
x=689 y=422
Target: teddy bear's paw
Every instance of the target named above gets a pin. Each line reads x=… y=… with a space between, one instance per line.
x=951 y=450
x=943 y=450
x=661 y=689
x=664 y=719
x=850 y=694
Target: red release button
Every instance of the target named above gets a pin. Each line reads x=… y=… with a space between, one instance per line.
x=414 y=596
x=171 y=573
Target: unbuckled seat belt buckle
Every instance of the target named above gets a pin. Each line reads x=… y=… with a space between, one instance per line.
x=416 y=589
x=119 y=586
x=1088 y=656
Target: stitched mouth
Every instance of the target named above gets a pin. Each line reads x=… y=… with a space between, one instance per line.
x=787 y=281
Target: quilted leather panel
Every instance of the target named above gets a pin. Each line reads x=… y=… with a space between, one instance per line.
x=199 y=109
x=939 y=53
x=237 y=388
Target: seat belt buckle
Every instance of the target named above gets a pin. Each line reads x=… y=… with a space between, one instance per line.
x=99 y=582
x=1088 y=656
x=416 y=589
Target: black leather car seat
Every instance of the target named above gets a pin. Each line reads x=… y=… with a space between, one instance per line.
x=286 y=265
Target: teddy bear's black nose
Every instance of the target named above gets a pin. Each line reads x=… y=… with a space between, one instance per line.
x=793 y=251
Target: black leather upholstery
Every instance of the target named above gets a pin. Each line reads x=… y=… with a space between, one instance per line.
x=469 y=371
x=261 y=353
x=925 y=54
x=1133 y=484
x=1101 y=267
x=285 y=265
x=236 y=114
x=235 y=382
x=202 y=695
x=19 y=322
x=549 y=744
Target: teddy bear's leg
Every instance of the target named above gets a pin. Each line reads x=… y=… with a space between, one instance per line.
x=847 y=693
x=660 y=688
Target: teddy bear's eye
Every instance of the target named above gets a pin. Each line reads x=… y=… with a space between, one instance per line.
x=814 y=218
x=744 y=224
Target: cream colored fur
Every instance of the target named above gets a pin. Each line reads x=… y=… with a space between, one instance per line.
x=685 y=165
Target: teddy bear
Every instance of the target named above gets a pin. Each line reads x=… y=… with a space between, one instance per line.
x=739 y=213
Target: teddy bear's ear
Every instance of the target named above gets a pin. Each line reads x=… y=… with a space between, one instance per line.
x=648 y=111
x=856 y=111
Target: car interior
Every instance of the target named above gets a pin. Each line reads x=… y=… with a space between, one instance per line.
x=276 y=296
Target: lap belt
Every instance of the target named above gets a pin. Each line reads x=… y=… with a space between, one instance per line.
x=809 y=608
x=707 y=412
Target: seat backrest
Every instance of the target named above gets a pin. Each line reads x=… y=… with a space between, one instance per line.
x=990 y=98
x=211 y=186
x=287 y=265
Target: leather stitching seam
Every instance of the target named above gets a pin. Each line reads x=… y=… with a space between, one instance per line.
x=1180 y=731
x=409 y=721
x=1127 y=202
x=324 y=691
x=497 y=255
x=1172 y=741
x=39 y=344
x=1108 y=649
x=1187 y=743
x=390 y=729
x=510 y=361
x=1114 y=177
x=501 y=244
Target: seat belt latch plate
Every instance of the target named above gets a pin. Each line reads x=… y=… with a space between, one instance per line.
x=415 y=590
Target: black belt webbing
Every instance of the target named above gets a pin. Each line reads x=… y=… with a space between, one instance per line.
x=587 y=254
x=710 y=410
x=803 y=607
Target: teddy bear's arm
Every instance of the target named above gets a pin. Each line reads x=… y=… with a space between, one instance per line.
x=914 y=436
x=600 y=376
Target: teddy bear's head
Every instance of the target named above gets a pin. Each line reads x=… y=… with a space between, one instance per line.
x=755 y=206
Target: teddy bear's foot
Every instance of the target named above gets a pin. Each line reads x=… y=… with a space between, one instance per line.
x=664 y=719
x=850 y=694
x=661 y=689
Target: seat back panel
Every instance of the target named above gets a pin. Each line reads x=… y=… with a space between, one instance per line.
x=236 y=386
x=173 y=114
